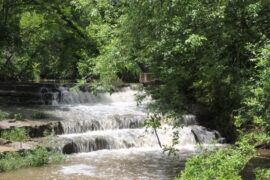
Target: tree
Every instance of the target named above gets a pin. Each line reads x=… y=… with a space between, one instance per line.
x=197 y=49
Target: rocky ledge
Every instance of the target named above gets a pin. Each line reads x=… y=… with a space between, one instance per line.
x=20 y=146
x=34 y=128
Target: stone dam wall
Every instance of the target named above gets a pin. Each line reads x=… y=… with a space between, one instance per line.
x=29 y=93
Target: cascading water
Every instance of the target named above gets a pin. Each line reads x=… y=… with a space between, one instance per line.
x=106 y=133
x=83 y=111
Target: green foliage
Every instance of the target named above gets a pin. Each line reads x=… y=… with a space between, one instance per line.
x=202 y=52
x=223 y=164
x=17 y=116
x=2 y=115
x=262 y=174
x=99 y=87
x=42 y=40
x=254 y=114
x=153 y=121
x=209 y=57
x=37 y=157
x=48 y=133
x=39 y=115
x=17 y=134
x=81 y=83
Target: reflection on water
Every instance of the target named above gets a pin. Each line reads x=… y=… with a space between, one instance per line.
x=108 y=164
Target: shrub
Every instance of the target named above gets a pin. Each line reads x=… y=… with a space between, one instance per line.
x=17 y=134
x=262 y=174
x=17 y=116
x=220 y=165
x=37 y=157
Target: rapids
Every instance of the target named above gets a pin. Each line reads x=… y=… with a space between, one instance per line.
x=106 y=140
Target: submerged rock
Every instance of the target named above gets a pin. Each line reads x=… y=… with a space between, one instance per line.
x=70 y=148
x=204 y=135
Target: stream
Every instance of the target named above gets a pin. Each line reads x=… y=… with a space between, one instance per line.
x=104 y=138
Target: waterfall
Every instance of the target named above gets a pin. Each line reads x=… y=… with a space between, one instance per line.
x=77 y=96
x=105 y=137
x=135 y=138
x=115 y=121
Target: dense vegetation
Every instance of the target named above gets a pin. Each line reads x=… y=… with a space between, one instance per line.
x=16 y=134
x=37 y=157
x=220 y=165
x=211 y=58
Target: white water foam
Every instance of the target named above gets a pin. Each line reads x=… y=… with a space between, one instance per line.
x=79 y=169
x=107 y=128
x=127 y=138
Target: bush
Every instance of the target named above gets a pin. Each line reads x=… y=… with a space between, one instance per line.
x=17 y=134
x=38 y=157
x=218 y=165
x=262 y=174
x=38 y=115
x=17 y=116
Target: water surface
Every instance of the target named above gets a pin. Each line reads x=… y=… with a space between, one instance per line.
x=117 y=164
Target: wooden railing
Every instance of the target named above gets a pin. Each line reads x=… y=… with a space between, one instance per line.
x=146 y=77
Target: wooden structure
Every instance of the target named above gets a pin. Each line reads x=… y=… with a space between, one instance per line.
x=146 y=78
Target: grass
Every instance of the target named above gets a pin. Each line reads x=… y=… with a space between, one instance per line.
x=37 y=157
x=17 y=116
x=16 y=134
x=20 y=116
x=39 y=115
x=2 y=115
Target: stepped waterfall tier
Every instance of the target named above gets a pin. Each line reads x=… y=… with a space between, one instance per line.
x=105 y=138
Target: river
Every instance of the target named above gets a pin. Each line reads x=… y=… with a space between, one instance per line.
x=105 y=139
